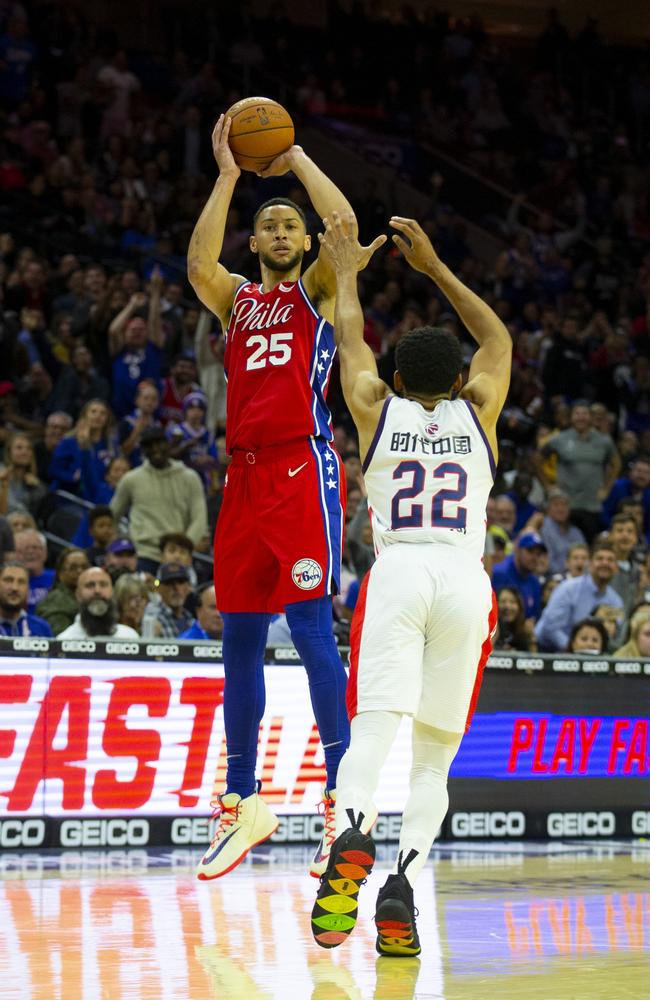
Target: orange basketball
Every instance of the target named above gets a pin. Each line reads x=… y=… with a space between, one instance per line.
x=260 y=130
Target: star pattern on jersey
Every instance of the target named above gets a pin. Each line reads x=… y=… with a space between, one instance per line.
x=328 y=456
x=320 y=367
x=324 y=354
x=330 y=470
x=331 y=483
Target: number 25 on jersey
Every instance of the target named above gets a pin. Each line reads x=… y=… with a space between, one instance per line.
x=441 y=517
x=272 y=350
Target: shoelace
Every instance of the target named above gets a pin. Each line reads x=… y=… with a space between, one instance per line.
x=326 y=809
x=227 y=815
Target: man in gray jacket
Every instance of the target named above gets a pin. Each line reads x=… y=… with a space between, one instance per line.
x=160 y=496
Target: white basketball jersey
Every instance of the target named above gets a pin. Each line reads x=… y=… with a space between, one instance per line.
x=429 y=474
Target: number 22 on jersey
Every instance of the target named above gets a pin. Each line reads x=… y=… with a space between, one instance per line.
x=272 y=350
x=441 y=516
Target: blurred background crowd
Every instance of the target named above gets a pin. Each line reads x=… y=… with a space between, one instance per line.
x=112 y=393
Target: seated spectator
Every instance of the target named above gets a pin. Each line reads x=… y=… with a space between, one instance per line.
x=20 y=520
x=101 y=528
x=549 y=586
x=132 y=596
x=120 y=557
x=192 y=442
x=638 y=645
x=79 y=383
x=59 y=607
x=359 y=540
x=161 y=496
x=613 y=620
x=6 y=539
x=14 y=620
x=623 y=536
x=31 y=552
x=97 y=617
x=635 y=485
x=513 y=632
x=577 y=560
x=557 y=531
x=588 y=636
x=519 y=570
x=519 y=494
x=167 y=618
x=143 y=416
x=574 y=599
x=175 y=547
x=505 y=514
x=57 y=426
x=80 y=461
x=209 y=623
x=20 y=487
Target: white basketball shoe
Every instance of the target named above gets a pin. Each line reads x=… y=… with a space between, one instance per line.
x=327 y=807
x=243 y=823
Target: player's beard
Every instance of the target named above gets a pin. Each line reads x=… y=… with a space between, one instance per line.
x=273 y=264
x=98 y=616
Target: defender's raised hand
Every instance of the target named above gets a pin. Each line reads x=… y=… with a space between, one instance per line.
x=416 y=246
x=221 y=149
x=341 y=242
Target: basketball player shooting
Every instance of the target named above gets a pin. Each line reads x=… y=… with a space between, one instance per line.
x=279 y=534
x=421 y=632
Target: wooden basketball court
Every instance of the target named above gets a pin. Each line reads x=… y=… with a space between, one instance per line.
x=550 y=922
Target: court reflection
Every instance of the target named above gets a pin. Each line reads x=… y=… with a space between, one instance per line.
x=492 y=925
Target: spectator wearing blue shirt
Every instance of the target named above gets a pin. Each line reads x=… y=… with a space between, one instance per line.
x=80 y=461
x=14 y=620
x=636 y=486
x=136 y=346
x=558 y=534
x=192 y=442
x=208 y=623
x=576 y=599
x=519 y=494
x=31 y=552
x=144 y=415
x=519 y=571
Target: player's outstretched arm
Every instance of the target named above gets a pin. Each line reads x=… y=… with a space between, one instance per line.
x=213 y=284
x=489 y=373
x=363 y=389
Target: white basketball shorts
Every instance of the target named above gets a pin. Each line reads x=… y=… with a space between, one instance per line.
x=421 y=635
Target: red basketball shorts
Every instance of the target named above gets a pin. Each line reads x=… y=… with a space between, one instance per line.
x=280 y=529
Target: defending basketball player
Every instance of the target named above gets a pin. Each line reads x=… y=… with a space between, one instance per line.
x=279 y=533
x=422 y=628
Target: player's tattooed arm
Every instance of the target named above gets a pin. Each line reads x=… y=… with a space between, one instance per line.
x=213 y=283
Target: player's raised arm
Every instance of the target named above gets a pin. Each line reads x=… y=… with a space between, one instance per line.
x=213 y=284
x=362 y=387
x=489 y=374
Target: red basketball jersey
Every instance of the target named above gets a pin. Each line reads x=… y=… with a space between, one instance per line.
x=278 y=360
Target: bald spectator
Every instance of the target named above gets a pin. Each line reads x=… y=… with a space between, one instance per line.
x=14 y=620
x=60 y=606
x=97 y=617
x=209 y=623
x=31 y=552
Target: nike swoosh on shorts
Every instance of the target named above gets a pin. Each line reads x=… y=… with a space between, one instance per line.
x=294 y=472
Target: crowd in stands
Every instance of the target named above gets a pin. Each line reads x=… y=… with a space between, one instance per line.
x=112 y=391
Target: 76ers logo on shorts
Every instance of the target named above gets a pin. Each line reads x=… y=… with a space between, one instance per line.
x=307 y=574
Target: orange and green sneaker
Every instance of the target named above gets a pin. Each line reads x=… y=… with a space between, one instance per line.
x=335 y=911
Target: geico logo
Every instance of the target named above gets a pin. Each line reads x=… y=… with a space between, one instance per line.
x=287 y=654
x=640 y=823
x=188 y=830
x=528 y=663
x=78 y=646
x=158 y=649
x=104 y=833
x=488 y=824
x=31 y=645
x=595 y=666
x=298 y=829
x=123 y=648
x=207 y=652
x=587 y=824
x=646 y=668
x=387 y=828
x=22 y=832
x=566 y=666
x=500 y=662
x=627 y=667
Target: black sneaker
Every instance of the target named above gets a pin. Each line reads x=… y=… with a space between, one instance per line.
x=395 y=914
x=335 y=911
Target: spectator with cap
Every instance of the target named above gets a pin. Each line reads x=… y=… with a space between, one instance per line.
x=575 y=599
x=31 y=552
x=161 y=496
x=167 y=618
x=97 y=616
x=519 y=570
x=209 y=623
x=59 y=608
x=14 y=620
x=588 y=464
x=635 y=486
x=556 y=529
x=121 y=557
x=192 y=442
